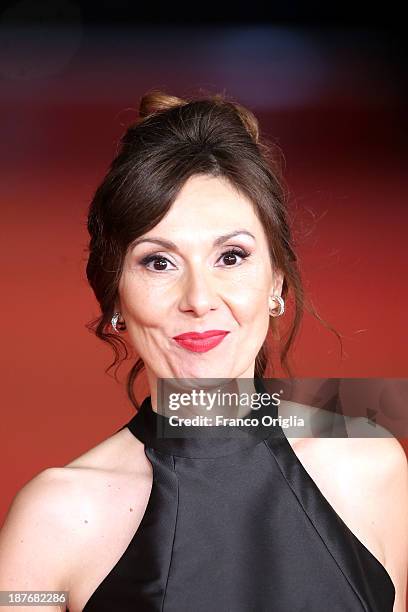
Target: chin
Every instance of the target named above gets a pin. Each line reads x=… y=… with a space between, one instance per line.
x=206 y=371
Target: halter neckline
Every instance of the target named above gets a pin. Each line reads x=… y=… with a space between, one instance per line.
x=156 y=431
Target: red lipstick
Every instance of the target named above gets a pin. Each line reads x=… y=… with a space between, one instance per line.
x=201 y=342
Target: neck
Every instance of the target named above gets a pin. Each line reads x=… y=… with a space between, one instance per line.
x=226 y=397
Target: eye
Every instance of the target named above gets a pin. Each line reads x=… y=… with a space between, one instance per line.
x=159 y=259
x=160 y=262
x=232 y=254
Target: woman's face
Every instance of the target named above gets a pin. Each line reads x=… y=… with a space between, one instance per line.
x=197 y=285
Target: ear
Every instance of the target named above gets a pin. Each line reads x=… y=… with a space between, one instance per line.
x=117 y=306
x=277 y=282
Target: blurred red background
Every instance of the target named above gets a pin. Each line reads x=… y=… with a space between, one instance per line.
x=334 y=104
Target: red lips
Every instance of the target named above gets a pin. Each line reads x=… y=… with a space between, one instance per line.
x=201 y=343
x=200 y=336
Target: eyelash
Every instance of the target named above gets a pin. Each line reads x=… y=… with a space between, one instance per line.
x=234 y=251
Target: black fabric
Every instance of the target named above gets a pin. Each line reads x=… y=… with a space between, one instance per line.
x=238 y=525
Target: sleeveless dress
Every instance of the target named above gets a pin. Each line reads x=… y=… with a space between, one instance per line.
x=236 y=524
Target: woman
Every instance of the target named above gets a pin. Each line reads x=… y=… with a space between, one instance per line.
x=189 y=234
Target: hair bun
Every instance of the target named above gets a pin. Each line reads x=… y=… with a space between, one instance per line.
x=155 y=101
x=248 y=119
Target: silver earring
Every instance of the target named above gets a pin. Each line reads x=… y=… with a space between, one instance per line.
x=114 y=322
x=281 y=303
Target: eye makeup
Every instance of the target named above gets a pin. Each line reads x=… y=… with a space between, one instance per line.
x=231 y=252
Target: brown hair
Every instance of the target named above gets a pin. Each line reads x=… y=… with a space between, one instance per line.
x=172 y=140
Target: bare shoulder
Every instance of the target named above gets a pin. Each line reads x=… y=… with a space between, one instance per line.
x=114 y=462
x=360 y=469
x=381 y=467
x=119 y=453
x=35 y=539
x=64 y=511
x=365 y=478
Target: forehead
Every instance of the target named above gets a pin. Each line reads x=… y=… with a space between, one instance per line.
x=207 y=205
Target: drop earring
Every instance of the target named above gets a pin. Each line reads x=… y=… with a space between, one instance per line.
x=281 y=303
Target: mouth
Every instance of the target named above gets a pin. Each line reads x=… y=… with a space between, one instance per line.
x=201 y=343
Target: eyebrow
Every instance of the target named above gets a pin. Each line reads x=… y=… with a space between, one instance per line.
x=167 y=244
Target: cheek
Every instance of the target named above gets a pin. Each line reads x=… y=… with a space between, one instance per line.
x=141 y=304
x=144 y=314
x=250 y=302
x=250 y=308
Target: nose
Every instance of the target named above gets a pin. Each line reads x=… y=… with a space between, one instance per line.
x=199 y=292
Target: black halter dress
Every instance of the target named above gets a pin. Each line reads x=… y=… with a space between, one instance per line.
x=237 y=524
